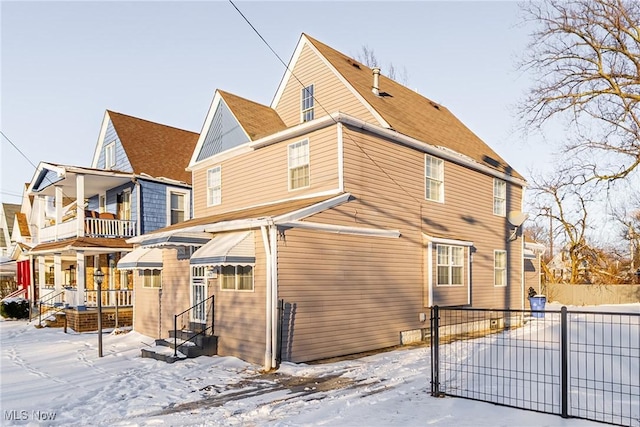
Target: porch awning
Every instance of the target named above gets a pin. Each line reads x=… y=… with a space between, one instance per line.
x=142 y=259
x=227 y=249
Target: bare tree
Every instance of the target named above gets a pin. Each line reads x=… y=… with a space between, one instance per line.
x=585 y=56
x=566 y=202
x=368 y=57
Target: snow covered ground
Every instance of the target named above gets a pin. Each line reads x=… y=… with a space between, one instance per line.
x=52 y=378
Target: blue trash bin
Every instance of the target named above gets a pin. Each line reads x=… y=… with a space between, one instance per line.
x=537 y=305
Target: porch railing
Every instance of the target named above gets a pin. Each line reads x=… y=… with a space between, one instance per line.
x=93 y=227
x=110 y=298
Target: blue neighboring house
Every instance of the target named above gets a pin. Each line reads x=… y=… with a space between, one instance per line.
x=136 y=183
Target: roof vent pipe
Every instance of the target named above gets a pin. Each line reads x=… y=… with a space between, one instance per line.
x=376 y=81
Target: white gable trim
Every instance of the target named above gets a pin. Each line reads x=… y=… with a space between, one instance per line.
x=294 y=59
x=100 y=143
x=217 y=99
x=313 y=209
x=342 y=229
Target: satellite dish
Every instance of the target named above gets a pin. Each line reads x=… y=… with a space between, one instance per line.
x=516 y=218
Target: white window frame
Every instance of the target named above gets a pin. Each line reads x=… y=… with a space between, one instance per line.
x=110 y=155
x=307 y=103
x=499 y=271
x=298 y=162
x=151 y=278
x=102 y=203
x=499 y=197
x=433 y=173
x=214 y=186
x=450 y=263
x=186 y=203
x=237 y=278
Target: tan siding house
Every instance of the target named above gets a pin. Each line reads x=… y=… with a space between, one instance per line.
x=365 y=209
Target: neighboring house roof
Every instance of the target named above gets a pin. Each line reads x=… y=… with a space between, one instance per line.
x=3 y=242
x=104 y=244
x=10 y=210
x=254 y=212
x=155 y=149
x=412 y=114
x=257 y=120
x=23 y=224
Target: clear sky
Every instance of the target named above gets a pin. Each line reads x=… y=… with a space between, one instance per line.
x=65 y=63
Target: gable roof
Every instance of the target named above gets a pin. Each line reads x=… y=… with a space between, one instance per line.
x=23 y=224
x=9 y=211
x=154 y=149
x=257 y=120
x=410 y=113
x=231 y=122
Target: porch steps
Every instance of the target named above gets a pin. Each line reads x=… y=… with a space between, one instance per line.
x=189 y=346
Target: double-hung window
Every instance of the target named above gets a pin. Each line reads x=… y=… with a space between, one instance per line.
x=214 y=186
x=434 y=178
x=298 y=164
x=499 y=197
x=151 y=278
x=450 y=265
x=178 y=204
x=307 y=103
x=237 y=277
x=499 y=268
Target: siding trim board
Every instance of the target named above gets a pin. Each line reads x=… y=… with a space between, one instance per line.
x=425 y=147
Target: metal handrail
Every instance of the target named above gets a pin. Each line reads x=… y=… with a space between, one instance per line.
x=175 y=325
x=46 y=301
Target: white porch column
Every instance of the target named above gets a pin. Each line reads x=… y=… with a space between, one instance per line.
x=80 y=282
x=57 y=272
x=42 y=275
x=59 y=206
x=80 y=207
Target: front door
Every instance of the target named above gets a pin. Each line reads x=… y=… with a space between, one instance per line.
x=198 y=295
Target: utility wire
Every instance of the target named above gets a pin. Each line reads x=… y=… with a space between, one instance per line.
x=18 y=150
x=286 y=66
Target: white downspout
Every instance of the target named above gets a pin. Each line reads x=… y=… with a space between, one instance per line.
x=274 y=289
x=269 y=326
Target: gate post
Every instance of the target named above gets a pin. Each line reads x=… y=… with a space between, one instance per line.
x=564 y=363
x=435 y=356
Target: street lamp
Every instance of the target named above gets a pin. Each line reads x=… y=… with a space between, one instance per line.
x=98 y=277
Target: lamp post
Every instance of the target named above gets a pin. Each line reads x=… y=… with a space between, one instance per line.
x=98 y=277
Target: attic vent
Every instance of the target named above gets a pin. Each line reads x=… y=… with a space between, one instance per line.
x=436 y=106
x=355 y=64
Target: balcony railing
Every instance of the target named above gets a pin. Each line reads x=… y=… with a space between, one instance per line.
x=110 y=298
x=93 y=227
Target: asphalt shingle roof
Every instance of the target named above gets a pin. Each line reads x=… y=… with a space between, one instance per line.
x=256 y=119
x=412 y=114
x=155 y=149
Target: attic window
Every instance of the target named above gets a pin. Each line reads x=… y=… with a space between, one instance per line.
x=307 y=103
x=110 y=155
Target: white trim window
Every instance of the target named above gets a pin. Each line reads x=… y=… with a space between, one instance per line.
x=306 y=104
x=178 y=204
x=214 y=186
x=298 y=157
x=102 y=203
x=433 y=178
x=499 y=197
x=110 y=155
x=236 y=278
x=450 y=265
x=151 y=278
x=499 y=268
